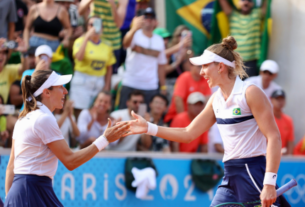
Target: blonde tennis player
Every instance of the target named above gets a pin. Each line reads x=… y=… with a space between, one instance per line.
x=38 y=143
x=244 y=117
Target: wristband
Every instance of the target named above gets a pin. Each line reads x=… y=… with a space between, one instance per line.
x=152 y=129
x=163 y=87
x=101 y=142
x=270 y=178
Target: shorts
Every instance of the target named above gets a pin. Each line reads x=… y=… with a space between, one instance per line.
x=84 y=88
x=242 y=182
x=37 y=41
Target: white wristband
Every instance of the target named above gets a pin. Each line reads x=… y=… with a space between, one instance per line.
x=101 y=142
x=152 y=129
x=270 y=178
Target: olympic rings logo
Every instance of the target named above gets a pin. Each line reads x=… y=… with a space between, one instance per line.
x=299 y=190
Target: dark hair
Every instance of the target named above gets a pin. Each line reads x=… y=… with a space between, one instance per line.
x=135 y=93
x=29 y=85
x=2 y=100
x=102 y=92
x=160 y=96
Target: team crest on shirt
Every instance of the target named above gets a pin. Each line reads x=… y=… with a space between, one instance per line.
x=236 y=111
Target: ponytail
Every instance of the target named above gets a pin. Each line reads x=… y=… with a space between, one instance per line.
x=29 y=85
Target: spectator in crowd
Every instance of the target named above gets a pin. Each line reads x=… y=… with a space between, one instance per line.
x=245 y=26
x=128 y=143
x=9 y=73
x=93 y=122
x=268 y=72
x=300 y=148
x=187 y=83
x=196 y=102
x=215 y=144
x=283 y=121
x=142 y=4
x=8 y=18
x=22 y=12
x=47 y=20
x=113 y=17
x=93 y=59
x=145 y=59
x=66 y=122
x=158 y=106
x=4 y=135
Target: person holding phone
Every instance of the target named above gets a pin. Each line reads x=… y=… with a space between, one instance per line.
x=93 y=57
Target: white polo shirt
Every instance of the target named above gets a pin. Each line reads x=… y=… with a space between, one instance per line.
x=238 y=128
x=32 y=133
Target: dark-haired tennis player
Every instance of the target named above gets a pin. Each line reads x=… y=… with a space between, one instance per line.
x=244 y=116
x=38 y=143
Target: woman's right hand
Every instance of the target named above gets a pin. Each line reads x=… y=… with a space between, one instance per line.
x=137 y=126
x=90 y=33
x=116 y=132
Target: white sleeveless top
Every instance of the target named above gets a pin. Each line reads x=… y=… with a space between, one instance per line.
x=240 y=133
x=32 y=133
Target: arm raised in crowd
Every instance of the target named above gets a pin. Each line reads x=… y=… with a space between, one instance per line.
x=65 y=20
x=28 y=25
x=120 y=12
x=81 y=52
x=226 y=7
x=83 y=6
x=136 y=24
x=108 y=75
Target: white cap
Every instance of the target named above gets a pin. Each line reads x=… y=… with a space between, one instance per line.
x=195 y=97
x=53 y=80
x=210 y=57
x=44 y=49
x=270 y=65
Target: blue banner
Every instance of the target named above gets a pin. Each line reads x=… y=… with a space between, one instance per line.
x=100 y=182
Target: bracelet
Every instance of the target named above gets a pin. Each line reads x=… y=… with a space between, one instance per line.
x=163 y=87
x=270 y=178
x=152 y=129
x=101 y=142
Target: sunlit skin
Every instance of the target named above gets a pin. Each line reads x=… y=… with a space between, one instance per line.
x=246 y=6
x=102 y=103
x=267 y=78
x=54 y=98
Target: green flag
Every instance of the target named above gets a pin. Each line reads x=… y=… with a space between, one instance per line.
x=220 y=26
x=196 y=15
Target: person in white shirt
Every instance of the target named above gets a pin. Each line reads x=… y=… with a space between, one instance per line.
x=244 y=116
x=145 y=59
x=38 y=143
x=66 y=122
x=268 y=72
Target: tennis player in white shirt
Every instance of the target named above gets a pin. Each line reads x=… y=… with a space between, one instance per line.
x=38 y=143
x=244 y=117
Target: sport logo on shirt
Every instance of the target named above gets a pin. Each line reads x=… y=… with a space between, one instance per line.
x=236 y=111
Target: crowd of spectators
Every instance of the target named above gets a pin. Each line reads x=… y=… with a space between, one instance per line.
x=123 y=62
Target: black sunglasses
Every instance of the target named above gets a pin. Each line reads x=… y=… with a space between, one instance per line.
x=247 y=0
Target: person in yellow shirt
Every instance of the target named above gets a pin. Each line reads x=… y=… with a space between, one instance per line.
x=9 y=73
x=93 y=59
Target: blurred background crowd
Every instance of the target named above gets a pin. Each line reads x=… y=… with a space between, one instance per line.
x=121 y=60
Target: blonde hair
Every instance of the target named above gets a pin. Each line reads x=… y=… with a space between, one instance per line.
x=226 y=50
x=176 y=35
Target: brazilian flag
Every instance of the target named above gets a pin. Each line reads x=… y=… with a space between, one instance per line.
x=196 y=15
x=220 y=26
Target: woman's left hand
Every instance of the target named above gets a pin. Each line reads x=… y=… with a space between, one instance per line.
x=22 y=47
x=116 y=132
x=137 y=126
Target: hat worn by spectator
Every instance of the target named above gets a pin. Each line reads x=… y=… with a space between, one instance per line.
x=32 y=50
x=150 y=11
x=162 y=32
x=195 y=97
x=44 y=49
x=278 y=93
x=270 y=65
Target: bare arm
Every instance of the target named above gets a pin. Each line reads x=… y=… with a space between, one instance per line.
x=11 y=30
x=136 y=24
x=161 y=74
x=179 y=104
x=198 y=126
x=28 y=25
x=9 y=177
x=226 y=7
x=62 y=119
x=120 y=12
x=108 y=75
x=65 y=20
x=15 y=96
x=83 y=6
x=75 y=129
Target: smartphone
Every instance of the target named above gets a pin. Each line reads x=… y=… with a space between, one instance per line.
x=10 y=44
x=142 y=110
x=97 y=24
x=44 y=57
x=7 y=109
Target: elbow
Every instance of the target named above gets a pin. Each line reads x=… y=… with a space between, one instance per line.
x=70 y=166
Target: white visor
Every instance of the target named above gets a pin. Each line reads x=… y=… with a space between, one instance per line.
x=210 y=57
x=53 y=80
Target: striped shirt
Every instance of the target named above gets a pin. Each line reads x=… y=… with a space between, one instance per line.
x=246 y=31
x=238 y=128
x=111 y=32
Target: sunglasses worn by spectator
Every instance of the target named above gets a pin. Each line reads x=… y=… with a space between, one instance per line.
x=136 y=102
